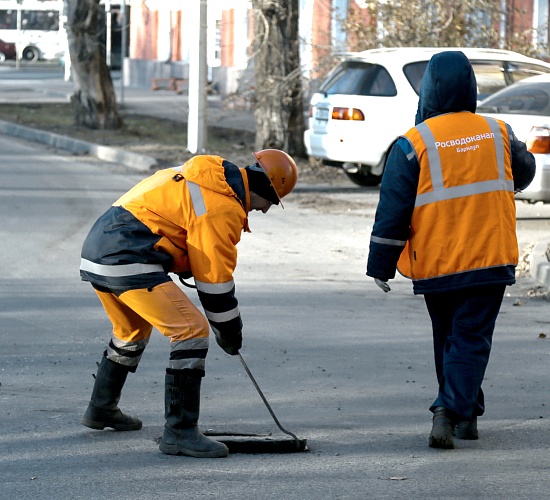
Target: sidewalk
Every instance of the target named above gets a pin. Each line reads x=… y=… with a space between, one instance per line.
x=131 y=100
x=159 y=103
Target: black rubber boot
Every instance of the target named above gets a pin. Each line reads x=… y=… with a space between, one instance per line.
x=442 y=429
x=467 y=429
x=103 y=410
x=181 y=433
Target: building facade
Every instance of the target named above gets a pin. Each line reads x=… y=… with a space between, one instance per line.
x=159 y=42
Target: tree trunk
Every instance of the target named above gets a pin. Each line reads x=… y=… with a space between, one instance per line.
x=278 y=77
x=94 y=100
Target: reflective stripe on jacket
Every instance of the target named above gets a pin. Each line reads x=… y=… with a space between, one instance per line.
x=178 y=220
x=464 y=216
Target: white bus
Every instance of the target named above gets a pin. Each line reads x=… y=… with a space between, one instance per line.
x=34 y=27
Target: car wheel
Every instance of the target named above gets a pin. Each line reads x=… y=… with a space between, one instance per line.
x=364 y=179
x=31 y=54
x=2 y=57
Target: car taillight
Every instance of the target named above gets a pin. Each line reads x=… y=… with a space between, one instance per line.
x=347 y=114
x=538 y=140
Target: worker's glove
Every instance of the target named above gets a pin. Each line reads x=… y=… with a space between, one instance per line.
x=383 y=285
x=230 y=342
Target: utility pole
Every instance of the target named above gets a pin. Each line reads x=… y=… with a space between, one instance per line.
x=198 y=72
x=123 y=47
x=108 y=29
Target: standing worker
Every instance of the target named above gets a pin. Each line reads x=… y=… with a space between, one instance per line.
x=447 y=219
x=187 y=221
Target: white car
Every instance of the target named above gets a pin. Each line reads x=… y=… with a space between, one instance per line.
x=371 y=97
x=525 y=106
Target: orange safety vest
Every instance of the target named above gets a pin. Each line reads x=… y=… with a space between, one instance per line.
x=464 y=216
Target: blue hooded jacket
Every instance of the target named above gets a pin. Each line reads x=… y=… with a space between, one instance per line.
x=448 y=86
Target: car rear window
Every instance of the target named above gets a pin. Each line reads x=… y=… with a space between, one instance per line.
x=526 y=99
x=358 y=78
x=414 y=73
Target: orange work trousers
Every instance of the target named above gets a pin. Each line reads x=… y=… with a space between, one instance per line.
x=167 y=308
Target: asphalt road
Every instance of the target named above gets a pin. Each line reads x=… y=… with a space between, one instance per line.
x=343 y=365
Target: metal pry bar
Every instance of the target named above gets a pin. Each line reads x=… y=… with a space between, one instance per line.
x=298 y=445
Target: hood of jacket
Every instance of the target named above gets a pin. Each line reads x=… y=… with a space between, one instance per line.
x=220 y=176
x=448 y=86
x=208 y=171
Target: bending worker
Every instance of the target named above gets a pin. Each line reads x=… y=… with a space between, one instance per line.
x=187 y=221
x=447 y=219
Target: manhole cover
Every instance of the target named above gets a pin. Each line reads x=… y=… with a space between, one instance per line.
x=258 y=443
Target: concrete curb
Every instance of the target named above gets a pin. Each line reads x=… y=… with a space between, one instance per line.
x=539 y=265
x=142 y=163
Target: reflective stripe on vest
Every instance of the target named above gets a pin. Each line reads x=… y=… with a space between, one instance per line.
x=440 y=192
x=196 y=195
x=196 y=198
x=464 y=214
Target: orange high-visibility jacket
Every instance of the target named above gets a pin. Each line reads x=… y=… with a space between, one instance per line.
x=464 y=217
x=185 y=219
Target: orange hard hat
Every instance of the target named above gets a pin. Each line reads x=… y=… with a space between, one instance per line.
x=281 y=170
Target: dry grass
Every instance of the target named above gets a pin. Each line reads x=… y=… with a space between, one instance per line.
x=162 y=139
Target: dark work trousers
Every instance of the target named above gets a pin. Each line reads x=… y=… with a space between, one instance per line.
x=463 y=322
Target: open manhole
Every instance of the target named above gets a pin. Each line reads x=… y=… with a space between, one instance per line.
x=257 y=443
